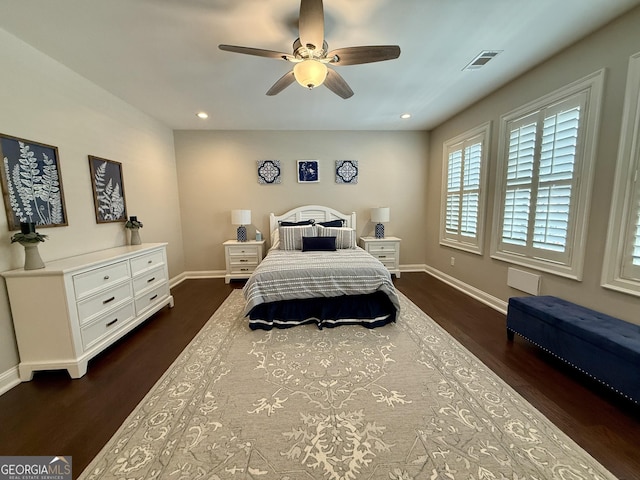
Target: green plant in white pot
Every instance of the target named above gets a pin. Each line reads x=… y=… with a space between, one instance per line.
x=134 y=226
x=29 y=239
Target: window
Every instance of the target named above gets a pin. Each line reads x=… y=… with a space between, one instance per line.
x=545 y=158
x=621 y=270
x=463 y=190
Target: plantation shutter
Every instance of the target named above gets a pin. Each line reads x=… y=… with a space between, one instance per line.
x=631 y=260
x=520 y=163
x=555 y=179
x=471 y=190
x=540 y=181
x=454 y=175
x=464 y=165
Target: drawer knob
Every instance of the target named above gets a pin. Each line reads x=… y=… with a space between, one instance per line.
x=108 y=300
x=151 y=279
x=150 y=261
x=244 y=260
x=106 y=277
x=244 y=269
x=154 y=297
x=112 y=322
x=382 y=256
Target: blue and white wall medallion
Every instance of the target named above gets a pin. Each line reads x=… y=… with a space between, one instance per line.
x=268 y=171
x=347 y=171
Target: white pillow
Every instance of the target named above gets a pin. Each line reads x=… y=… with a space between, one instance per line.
x=345 y=236
x=291 y=237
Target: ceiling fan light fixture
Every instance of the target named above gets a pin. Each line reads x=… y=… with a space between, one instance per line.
x=310 y=73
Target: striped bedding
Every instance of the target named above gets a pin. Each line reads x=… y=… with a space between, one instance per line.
x=296 y=275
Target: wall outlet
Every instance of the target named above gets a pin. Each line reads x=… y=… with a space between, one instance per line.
x=453 y=261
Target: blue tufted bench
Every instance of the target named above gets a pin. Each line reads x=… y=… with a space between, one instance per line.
x=604 y=347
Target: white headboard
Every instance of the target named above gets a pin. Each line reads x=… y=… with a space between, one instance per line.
x=311 y=212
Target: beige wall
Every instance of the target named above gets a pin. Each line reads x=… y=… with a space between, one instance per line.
x=45 y=102
x=609 y=48
x=217 y=173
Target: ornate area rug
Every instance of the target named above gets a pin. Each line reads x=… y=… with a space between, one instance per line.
x=401 y=402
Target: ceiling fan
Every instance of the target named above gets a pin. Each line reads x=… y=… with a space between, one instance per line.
x=311 y=57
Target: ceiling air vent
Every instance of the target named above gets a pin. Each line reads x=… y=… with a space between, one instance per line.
x=482 y=59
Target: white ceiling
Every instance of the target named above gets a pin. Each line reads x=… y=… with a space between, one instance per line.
x=162 y=56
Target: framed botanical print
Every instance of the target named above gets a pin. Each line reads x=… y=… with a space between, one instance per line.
x=308 y=171
x=31 y=183
x=108 y=190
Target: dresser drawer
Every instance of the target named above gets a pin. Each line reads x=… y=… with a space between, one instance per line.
x=389 y=262
x=151 y=297
x=146 y=262
x=149 y=279
x=242 y=250
x=382 y=247
x=384 y=256
x=106 y=325
x=243 y=268
x=90 y=282
x=103 y=301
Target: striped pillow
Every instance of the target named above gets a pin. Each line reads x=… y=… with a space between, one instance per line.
x=291 y=237
x=345 y=236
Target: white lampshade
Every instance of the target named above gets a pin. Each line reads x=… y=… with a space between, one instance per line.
x=241 y=217
x=310 y=73
x=380 y=214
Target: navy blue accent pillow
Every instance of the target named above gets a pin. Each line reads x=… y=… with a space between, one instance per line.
x=332 y=223
x=318 y=244
x=296 y=224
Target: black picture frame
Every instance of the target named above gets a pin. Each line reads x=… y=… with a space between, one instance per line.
x=108 y=190
x=31 y=183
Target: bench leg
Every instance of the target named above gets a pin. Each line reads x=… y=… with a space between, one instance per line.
x=510 y=335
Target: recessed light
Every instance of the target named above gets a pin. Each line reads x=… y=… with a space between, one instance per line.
x=405 y=116
x=202 y=115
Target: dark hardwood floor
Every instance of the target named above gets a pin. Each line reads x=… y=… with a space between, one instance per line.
x=54 y=415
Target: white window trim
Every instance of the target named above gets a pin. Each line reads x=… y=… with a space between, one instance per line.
x=626 y=183
x=593 y=85
x=476 y=246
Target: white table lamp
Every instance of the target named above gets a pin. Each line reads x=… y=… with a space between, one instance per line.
x=242 y=218
x=379 y=216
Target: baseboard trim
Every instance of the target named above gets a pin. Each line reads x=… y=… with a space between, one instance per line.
x=9 y=379
x=206 y=274
x=473 y=292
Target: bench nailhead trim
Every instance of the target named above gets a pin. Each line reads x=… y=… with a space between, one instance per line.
x=576 y=367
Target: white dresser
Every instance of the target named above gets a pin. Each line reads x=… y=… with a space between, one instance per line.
x=71 y=310
x=386 y=249
x=242 y=258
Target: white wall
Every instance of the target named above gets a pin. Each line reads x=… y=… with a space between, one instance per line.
x=45 y=102
x=609 y=48
x=217 y=171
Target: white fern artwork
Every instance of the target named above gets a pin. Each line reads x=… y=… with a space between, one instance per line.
x=33 y=187
x=109 y=195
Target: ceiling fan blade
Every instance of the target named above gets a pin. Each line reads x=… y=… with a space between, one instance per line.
x=284 y=81
x=337 y=85
x=311 y=24
x=259 y=52
x=369 y=54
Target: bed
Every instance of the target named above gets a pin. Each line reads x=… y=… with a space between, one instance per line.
x=315 y=273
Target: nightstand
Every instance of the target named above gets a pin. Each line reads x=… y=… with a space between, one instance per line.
x=242 y=258
x=387 y=250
